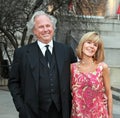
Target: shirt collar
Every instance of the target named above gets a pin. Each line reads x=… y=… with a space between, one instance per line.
x=42 y=45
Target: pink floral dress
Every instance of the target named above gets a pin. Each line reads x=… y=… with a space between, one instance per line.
x=88 y=93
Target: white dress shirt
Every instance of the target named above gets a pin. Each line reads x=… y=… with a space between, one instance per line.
x=43 y=48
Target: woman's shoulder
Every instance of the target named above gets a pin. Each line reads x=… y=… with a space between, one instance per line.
x=74 y=65
x=104 y=66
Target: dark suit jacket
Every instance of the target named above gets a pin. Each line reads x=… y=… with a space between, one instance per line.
x=23 y=83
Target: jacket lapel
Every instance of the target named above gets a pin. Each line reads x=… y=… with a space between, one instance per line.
x=59 y=52
x=34 y=62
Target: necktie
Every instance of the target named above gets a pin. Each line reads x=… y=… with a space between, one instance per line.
x=48 y=55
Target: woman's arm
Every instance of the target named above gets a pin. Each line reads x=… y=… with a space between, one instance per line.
x=106 y=79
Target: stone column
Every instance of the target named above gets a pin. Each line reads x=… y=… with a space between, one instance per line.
x=111 y=8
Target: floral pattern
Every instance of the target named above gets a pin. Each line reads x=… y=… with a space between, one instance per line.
x=88 y=94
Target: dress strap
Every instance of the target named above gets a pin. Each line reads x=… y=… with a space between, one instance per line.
x=100 y=66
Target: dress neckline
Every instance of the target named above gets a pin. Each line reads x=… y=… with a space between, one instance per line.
x=91 y=72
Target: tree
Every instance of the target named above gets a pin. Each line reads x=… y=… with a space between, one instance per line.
x=14 y=15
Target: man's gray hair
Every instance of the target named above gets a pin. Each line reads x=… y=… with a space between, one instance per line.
x=31 y=23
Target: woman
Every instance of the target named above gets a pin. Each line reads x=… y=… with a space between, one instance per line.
x=91 y=80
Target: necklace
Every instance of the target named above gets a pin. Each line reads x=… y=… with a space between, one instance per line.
x=87 y=62
x=86 y=66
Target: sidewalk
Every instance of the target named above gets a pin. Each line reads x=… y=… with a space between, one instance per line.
x=7 y=109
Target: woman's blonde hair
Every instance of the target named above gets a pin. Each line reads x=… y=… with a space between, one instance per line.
x=93 y=37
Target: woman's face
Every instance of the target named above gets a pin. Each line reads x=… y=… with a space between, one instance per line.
x=89 y=48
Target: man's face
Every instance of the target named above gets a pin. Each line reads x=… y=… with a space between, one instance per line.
x=43 y=29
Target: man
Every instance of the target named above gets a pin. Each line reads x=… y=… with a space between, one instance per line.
x=41 y=88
